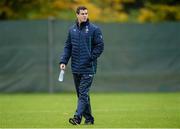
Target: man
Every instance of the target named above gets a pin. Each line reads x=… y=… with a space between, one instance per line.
x=84 y=45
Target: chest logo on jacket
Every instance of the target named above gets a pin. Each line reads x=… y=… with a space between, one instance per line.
x=87 y=30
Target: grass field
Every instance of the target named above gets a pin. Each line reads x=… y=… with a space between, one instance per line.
x=112 y=110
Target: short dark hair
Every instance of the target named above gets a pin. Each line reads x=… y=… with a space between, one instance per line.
x=80 y=8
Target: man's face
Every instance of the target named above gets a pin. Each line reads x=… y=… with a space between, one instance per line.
x=82 y=16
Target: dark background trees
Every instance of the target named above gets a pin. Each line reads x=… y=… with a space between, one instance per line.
x=100 y=10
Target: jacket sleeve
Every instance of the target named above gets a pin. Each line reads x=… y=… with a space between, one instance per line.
x=67 y=51
x=98 y=44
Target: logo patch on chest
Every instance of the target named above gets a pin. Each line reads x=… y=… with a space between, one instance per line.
x=86 y=30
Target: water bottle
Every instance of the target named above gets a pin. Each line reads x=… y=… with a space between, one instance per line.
x=61 y=75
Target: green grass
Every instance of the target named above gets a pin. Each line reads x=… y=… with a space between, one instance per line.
x=113 y=110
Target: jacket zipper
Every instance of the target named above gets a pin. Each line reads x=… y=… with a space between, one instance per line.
x=79 y=31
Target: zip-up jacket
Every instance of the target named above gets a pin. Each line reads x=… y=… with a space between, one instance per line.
x=84 y=45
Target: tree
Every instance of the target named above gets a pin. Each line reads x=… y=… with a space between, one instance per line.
x=106 y=11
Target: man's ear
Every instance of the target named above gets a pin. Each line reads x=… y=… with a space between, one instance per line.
x=77 y=15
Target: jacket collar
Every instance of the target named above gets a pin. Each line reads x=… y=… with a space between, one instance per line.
x=82 y=24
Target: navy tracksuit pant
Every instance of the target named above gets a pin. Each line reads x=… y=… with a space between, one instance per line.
x=83 y=83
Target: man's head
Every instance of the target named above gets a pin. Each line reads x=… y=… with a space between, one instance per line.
x=82 y=14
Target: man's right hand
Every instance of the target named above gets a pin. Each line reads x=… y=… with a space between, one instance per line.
x=62 y=66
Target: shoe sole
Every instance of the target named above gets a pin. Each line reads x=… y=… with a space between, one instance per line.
x=71 y=121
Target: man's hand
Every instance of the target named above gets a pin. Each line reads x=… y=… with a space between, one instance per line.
x=62 y=66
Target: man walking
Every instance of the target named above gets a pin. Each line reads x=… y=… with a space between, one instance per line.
x=84 y=45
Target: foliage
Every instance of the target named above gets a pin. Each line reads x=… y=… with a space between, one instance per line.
x=159 y=13
x=103 y=11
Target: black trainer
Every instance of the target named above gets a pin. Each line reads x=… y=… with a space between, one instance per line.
x=74 y=121
x=88 y=122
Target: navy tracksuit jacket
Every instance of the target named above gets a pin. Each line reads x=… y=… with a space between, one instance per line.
x=84 y=45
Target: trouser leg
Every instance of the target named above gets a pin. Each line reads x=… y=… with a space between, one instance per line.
x=83 y=83
x=87 y=112
x=77 y=78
